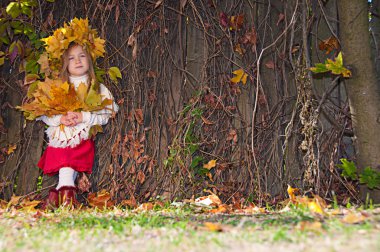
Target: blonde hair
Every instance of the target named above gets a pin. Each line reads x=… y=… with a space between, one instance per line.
x=64 y=75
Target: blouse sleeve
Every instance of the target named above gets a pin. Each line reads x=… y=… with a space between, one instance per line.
x=50 y=120
x=101 y=117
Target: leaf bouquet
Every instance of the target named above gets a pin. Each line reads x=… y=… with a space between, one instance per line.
x=55 y=97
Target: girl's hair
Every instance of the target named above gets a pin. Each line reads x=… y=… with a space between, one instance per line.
x=65 y=63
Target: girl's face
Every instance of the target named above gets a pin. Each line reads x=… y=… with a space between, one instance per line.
x=78 y=61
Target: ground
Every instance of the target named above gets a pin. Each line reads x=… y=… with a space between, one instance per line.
x=189 y=229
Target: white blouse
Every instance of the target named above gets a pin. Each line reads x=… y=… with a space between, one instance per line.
x=71 y=136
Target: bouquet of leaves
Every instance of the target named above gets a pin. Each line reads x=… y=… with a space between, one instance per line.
x=55 y=97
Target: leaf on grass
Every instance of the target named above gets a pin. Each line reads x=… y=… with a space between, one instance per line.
x=100 y=200
x=315 y=226
x=241 y=76
x=145 y=207
x=292 y=192
x=129 y=203
x=210 y=200
x=353 y=218
x=214 y=227
x=211 y=164
x=28 y=206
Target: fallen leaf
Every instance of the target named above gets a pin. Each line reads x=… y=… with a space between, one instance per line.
x=100 y=200
x=145 y=207
x=210 y=200
x=315 y=226
x=292 y=192
x=215 y=227
x=211 y=164
x=353 y=218
x=129 y=203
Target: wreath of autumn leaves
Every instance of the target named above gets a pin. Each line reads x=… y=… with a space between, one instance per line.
x=53 y=96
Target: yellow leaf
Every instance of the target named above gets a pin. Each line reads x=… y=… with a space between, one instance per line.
x=315 y=207
x=292 y=193
x=114 y=73
x=211 y=164
x=353 y=218
x=215 y=227
x=29 y=205
x=82 y=92
x=241 y=76
x=11 y=149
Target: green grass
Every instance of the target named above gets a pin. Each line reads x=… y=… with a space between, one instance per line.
x=170 y=229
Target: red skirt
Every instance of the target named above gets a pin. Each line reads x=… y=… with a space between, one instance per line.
x=80 y=158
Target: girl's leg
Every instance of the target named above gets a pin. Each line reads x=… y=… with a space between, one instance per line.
x=67 y=177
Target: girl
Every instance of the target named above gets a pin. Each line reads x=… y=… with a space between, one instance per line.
x=70 y=149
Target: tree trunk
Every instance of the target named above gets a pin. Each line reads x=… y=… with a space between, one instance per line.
x=362 y=88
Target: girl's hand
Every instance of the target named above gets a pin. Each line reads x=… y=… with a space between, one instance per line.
x=76 y=117
x=67 y=121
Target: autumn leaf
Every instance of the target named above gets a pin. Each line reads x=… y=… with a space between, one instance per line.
x=84 y=183
x=211 y=164
x=11 y=149
x=241 y=76
x=210 y=200
x=100 y=200
x=270 y=64
x=30 y=78
x=139 y=116
x=114 y=73
x=145 y=207
x=214 y=227
x=329 y=44
x=335 y=66
x=141 y=177
x=223 y=20
x=353 y=218
x=236 y=22
x=250 y=37
x=239 y=49
x=281 y=18
x=2 y=58
x=28 y=206
x=292 y=192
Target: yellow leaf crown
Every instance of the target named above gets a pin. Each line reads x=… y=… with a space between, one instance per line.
x=79 y=32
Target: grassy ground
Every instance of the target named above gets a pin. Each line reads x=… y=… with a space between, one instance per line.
x=181 y=229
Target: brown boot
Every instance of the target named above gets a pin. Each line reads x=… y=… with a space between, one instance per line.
x=67 y=196
x=52 y=201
